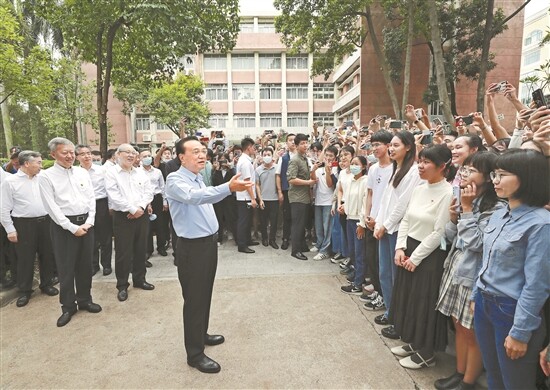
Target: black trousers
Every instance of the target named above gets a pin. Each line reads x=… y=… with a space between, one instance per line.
x=73 y=256
x=269 y=216
x=130 y=247
x=371 y=259
x=197 y=263
x=33 y=236
x=8 y=259
x=226 y=213
x=244 y=223
x=103 y=235
x=158 y=226
x=287 y=219
x=299 y=212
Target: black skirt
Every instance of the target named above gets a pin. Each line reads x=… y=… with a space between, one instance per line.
x=414 y=298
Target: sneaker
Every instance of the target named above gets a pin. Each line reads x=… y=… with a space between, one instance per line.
x=368 y=297
x=381 y=320
x=337 y=258
x=351 y=289
x=345 y=263
x=314 y=249
x=376 y=304
x=320 y=256
x=346 y=271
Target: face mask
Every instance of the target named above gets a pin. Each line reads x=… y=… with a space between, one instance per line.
x=372 y=159
x=268 y=159
x=355 y=169
x=147 y=161
x=96 y=162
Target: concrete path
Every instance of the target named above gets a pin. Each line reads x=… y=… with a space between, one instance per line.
x=286 y=323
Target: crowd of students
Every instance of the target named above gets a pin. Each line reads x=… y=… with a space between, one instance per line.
x=434 y=228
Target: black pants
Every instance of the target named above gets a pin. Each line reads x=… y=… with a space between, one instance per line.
x=244 y=223
x=103 y=235
x=299 y=211
x=158 y=226
x=287 y=218
x=73 y=256
x=269 y=216
x=197 y=262
x=130 y=247
x=371 y=259
x=226 y=213
x=8 y=259
x=33 y=236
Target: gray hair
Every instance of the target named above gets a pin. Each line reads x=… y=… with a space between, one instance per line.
x=27 y=155
x=55 y=142
x=80 y=146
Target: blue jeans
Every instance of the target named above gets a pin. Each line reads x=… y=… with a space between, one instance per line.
x=388 y=269
x=493 y=319
x=323 y=227
x=356 y=249
x=336 y=236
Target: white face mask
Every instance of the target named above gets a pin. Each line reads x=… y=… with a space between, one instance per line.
x=147 y=161
x=268 y=159
x=372 y=159
x=96 y=162
x=355 y=169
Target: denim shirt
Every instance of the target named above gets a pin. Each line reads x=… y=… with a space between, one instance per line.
x=516 y=263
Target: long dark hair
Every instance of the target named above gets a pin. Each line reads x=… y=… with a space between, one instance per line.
x=408 y=140
x=485 y=162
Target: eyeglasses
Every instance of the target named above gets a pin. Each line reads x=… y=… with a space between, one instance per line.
x=497 y=176
x=133 y=152
x=84 y=154
x=467 y=171
x=375 y=145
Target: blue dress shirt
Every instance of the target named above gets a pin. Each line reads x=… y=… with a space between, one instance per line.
x=190 y=203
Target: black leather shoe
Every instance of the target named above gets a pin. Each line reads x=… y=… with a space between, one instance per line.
x=95 y=271
x=107 y=271
x=50 y=290
x=450 y=382
x=122 y=295
x=284 y=245
x=253 y=243
x=299 y=256
x=162 y=252
x=246 y=250
x=214 y=339
x=90 y=307
x=7 y=284
x=144 y=286
x=148 y=264
x=206 y=365
x=65 y=318
x=273 y=244
x=55 y=280
x=265 y=243
x=23 y=300
x=390 y=333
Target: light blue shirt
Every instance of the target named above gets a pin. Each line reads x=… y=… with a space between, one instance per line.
x=516 y=263
x=190 y=203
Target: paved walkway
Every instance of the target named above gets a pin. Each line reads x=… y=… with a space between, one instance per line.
x=286 y=324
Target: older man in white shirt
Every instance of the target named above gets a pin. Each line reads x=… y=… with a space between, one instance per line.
x=68 y=197
x=130 y=193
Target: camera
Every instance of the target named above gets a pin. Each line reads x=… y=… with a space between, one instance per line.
x=219 y=134
x=500 y=87
x=418 y=113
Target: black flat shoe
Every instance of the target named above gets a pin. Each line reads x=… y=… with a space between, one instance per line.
x=122 y=295
x=206 y=365
x=253 y=243
x=214 y=339
x=299 y=256
x=390 y=333
x=450 y=382
x=65 y=318
x=50 y=290
x=23 y=300
x=273 y=244
x=162 y=252
x=107 y=271
x=284 y=245
x=90 y=307
x=265 y=243
x=246 y=250
x=148 y=264
x=144 y=286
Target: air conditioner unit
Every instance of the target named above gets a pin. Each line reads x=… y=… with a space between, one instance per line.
x=146 y=137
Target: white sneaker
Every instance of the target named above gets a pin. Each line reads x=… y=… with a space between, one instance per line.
x=314 y=249
x=320 y=256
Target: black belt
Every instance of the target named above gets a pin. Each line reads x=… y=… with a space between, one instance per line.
x=77 y=218
x=32 y=219
x=101 y=200
x=211 y=238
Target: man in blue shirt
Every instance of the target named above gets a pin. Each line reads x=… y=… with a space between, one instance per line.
x=196 y=227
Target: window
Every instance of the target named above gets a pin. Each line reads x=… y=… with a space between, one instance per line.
x=532 y=38
x=143 y=122
x=532 y=57
x=242 y=61
x=270 y=61
x=296 y=62
x=244 y=120
x=162 y=126
x=216 y=92
x=323 y=91
x=296 y=91
x=266 y=27
x=218 y=121
x=215 y=62
x=270 y=91
x=436 y=108
x=243 y=91
x=270 y=121
x=297 y=120
x=327 y=118
x=247 y=27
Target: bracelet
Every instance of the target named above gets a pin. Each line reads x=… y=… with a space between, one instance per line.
x=416 y=121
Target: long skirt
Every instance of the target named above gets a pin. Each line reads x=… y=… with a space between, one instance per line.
x=414 y=298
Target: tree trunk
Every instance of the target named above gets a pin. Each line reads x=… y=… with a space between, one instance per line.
x=382 y=61
x=8 y=136
x=452 y=92
x=408 y=53
x=487 y=36
x=439 y=63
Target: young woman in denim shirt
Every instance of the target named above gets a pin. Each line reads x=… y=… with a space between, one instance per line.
x=477 y=203
x=514 y=280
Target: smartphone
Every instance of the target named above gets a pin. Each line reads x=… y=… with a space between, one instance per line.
x=456 y=194
x=437 y=122
x=500 y=87
x=428 y=137
x=219 y=134
x=538 y=98
x=366 y=146
x=396 y=125
x=349 y=123
x=418 y=113
x=468 y=120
